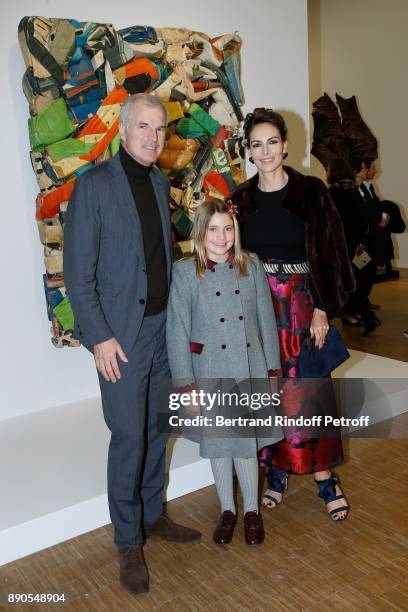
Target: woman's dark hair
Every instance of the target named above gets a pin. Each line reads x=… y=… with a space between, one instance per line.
x=357 y=162
x=264 y=115
x=339 y=170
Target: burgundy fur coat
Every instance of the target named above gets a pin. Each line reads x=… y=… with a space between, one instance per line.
x=308 y=198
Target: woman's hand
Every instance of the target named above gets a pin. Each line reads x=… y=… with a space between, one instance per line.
x=319 y=327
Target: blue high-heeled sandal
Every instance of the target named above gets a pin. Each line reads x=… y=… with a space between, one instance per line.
x=278 y=483
x=327 y=491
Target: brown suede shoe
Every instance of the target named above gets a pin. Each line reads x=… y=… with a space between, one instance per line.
x=225 y=528
x=254 y=529
x=133 y=574
x=167 y=529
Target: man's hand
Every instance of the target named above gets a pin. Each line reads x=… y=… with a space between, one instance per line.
x=319 y=327
x=106 y=360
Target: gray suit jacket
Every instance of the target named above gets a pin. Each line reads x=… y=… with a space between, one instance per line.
x=104 y=264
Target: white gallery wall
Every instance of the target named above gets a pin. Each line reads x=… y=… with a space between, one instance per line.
x=360 y=47
x=35 y=375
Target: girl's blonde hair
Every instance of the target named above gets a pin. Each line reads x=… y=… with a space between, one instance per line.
x=202 y=219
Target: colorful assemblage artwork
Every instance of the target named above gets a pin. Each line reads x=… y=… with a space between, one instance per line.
x=78 y=74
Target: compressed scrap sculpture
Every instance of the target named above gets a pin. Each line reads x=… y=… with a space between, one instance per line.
x=78 y=76
x=340 y=134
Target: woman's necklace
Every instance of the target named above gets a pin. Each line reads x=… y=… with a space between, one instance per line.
x=273 y=186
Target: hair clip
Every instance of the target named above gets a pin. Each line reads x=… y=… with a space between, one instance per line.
x=232 y=209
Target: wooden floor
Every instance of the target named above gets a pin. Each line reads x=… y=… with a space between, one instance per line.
x=388 y=339
x=307 y=562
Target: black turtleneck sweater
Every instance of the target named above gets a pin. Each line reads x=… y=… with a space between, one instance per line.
x=152 y=232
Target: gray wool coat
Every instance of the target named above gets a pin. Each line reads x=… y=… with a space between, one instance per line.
x=222 y=327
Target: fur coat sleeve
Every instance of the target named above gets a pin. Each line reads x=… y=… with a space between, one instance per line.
x=326 y=248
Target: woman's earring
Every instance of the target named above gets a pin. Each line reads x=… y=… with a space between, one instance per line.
x=285 y=155
x=251 y=160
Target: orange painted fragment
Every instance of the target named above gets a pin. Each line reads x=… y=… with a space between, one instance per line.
x=214 y=181
x=116 y=96
x=48 y=205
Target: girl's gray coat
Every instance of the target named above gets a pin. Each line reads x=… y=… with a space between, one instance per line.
x=222 y=327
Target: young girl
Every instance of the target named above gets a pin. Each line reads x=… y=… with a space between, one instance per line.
x=221 y=325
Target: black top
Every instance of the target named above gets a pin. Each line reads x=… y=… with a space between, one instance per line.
x=350 y=205
x=379 y=241
x=152 y=232
x=275 y=233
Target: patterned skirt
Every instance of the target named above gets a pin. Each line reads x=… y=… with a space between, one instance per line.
x=298 y=452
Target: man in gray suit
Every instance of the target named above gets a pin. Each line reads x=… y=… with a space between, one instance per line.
x=117 y=268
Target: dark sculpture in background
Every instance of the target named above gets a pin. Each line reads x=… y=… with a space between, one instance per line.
x=340 y=132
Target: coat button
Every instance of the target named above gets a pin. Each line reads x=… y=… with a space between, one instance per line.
x=212 y=269
x=223 y=346
x=222 y=320
x=142 y=301
x=240 y=317
x=237 y=291
x=248 y=344
x=230 y=266
x=218 y=293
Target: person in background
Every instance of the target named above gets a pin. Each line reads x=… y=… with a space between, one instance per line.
x=391 y=222
x=341 y=180
x=378 y=237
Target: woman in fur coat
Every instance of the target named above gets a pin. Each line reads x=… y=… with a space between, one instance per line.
x=290 y=221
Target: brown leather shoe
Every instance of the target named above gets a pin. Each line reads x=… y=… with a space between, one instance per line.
x=133 y=574
x=225 y=528
x=167 y=529
x=254 y=529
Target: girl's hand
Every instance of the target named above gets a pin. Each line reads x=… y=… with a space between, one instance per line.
x=274 y=384
x=192 y=409
x=319 y=327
